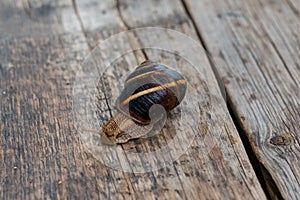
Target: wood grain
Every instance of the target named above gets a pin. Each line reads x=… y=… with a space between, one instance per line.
x=43 y=154
x=257 y=45
x=188 y=183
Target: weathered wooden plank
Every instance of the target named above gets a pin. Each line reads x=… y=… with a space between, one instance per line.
x=43 y=158
x=36 y=18
x=224 y=172
x=257 y=45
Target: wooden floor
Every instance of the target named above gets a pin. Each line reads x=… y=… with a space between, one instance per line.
x=252 y=48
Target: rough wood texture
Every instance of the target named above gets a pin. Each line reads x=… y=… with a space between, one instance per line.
x=42 y=155
x=257 y=43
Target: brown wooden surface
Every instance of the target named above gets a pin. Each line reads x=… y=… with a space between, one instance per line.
x=256 y=44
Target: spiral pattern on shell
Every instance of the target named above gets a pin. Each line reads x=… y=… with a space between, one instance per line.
x=151 y=83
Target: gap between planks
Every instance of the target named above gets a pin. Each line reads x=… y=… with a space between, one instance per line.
x=253 y=159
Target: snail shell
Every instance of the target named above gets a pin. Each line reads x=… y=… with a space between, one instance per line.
x=150 y=84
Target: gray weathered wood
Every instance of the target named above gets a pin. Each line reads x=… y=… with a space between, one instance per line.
x=231 y=154
x=256 y=43
x=43 y=155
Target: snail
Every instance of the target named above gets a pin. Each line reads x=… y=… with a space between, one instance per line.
x=149 y=84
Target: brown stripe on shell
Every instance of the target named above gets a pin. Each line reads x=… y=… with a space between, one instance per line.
x=151 y=83
x=154 y=89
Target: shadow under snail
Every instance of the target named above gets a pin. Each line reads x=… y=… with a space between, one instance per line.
x=150 y=84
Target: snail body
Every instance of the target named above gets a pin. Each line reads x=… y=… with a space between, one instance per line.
x=150 y=84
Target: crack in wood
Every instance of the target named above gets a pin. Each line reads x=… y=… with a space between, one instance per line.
x=81 y=176
x=208 y=54
x=75 y=8
x=262 y=174
x=74 y=4
x=267 y=182
x=118 y=6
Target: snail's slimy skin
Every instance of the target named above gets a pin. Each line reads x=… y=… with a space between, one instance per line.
x=120 y=129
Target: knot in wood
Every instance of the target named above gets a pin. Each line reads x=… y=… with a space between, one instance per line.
x=280 y=140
